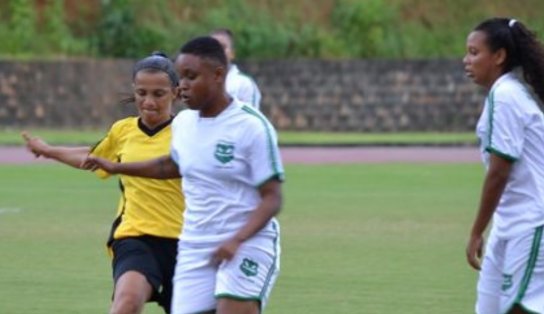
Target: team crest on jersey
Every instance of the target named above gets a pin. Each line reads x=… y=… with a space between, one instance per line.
x=249 y=268
x=224 y=152
x=506 y=282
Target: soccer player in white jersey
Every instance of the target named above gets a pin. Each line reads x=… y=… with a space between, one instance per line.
x=239 y=85
x=511 y=133
x=227 y=155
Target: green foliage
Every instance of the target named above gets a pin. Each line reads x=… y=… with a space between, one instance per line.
x=18 y=33
x=263 y=29
x=58 y=37
x=364 y=26
x=23 y=36
x=255 y=31
x=119 y=34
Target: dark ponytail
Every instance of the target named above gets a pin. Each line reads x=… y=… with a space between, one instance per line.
x=522 y=47
x=531 y=57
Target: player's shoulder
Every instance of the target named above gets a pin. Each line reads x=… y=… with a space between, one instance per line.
x=183 y=117
x=513 y=93
x=243 y=76
x=251 y=116
x=507 y=86
x=123 y=128
x=185 y=114
x=245 y=110
x=124 y=124
x=248 y=80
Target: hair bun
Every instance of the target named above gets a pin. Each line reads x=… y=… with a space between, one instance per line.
x=158 y=53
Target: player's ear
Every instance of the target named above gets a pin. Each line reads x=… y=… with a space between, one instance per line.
x=177 y=92
x=500 y=56
x=220 y=73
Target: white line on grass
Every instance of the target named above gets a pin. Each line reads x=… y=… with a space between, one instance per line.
x=9 y=210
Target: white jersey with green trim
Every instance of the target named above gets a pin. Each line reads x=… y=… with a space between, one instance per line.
x=223 y=161
x=242 y=87
x=512 y=126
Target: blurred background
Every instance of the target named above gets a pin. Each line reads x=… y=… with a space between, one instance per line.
x=356 y=237
x=321 y=65
x=264 y=29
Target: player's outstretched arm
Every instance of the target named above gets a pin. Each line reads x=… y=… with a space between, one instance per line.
x=160 y=168
x=71 y=156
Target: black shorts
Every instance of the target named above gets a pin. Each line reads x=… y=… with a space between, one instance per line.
x=151 y=256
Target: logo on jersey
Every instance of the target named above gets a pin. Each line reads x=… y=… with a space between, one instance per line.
x=506 y=282
x=249 y=267
x=224 y=152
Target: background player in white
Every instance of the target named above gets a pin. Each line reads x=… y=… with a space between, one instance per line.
x=227 y=155
x=239 y=85
x=511 y=132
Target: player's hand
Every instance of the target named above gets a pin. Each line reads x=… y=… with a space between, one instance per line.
x=474 y=251
x=93 y=163
x=226 y=251
x=35 y=145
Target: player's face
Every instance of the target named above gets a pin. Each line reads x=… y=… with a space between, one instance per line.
x=200 y=81
x=225 y=42
x=154 y=96
x=482 y=65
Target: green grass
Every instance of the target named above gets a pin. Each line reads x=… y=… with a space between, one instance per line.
x=356 y=239
x=406 y=138
x=54 y=136
x=89 y=137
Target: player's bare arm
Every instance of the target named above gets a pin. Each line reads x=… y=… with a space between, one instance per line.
x=495 y=181
x=72 y=156
x=271 y=201
x=160 y=168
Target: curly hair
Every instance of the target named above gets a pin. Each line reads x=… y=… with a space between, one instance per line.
x=523 y=49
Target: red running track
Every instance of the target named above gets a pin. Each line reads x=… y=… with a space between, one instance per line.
x=324 y=155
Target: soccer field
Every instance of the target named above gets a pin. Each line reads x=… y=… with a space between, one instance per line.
x=385 y=238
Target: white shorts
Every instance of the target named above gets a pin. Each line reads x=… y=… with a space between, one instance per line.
x=512 y=273
x=250 y=275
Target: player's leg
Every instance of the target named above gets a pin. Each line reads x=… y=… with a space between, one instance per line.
x=524 y=264
x=131 y=293
x=490 y=278
x=136 y=273
x=245 y=282
x=226 y=305
x=194 y=280
x=518 y=310
x=165 y=251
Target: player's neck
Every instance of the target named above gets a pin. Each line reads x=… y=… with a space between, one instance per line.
x=216 y=106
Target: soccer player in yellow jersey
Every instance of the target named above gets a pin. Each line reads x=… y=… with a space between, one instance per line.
x=144 y=235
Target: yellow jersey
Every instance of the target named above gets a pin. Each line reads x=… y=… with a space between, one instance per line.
x=147 y=206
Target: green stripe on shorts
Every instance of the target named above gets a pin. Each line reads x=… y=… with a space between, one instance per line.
x=272 y=269
x=530 y=265
x=236 y=297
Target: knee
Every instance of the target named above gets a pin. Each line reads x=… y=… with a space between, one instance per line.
x=517 y=310
x=127 y=303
